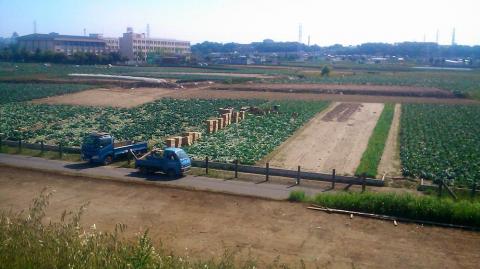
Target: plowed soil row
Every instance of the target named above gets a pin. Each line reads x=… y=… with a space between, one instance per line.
x=341 y=89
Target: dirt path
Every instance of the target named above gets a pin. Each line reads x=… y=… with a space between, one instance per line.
x=204 y=225
x=350 y=89
x=390 y=162
x=336 y=139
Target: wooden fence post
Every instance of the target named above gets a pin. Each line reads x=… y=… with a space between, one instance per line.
x=364 y=177
x=42 y=148
x=19 y=145
x=1 y=142
x=206 y=165
x=298 y=176
x=60 y=150
x=129 y=157
x=440 y=188
x=333 y=179
x=236 y=168
x=267 y=172
x=474 y=189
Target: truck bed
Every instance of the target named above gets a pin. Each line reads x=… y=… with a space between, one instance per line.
x=122 y=144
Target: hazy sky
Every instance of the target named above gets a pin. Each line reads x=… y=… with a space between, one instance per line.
x=347 y=22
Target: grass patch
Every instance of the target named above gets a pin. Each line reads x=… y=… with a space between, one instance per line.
x=427 y=208
x=28 y=241
x=297 y=196
x=376 y=144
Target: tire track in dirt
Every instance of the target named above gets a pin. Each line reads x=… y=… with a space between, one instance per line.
x=390 y=162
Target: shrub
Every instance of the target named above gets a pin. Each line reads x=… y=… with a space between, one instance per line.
x=297 y=196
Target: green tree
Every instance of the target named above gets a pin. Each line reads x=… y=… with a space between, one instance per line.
x=325 y=71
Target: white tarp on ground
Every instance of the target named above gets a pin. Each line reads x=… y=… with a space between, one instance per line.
x=143 y=79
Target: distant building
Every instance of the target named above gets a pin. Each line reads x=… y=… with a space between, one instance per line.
x=67 y=44
x=112 y=44
x=136 y=47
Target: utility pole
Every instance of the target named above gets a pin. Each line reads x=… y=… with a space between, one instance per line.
x=300 y=33
x=453 y=37
x=35 y=27
x=148 y=30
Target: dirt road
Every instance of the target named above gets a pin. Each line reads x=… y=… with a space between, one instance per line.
x=334 y=139
x=204 y=225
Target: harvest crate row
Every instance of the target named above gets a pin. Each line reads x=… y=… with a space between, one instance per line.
x=187 y=139
x=227 y=117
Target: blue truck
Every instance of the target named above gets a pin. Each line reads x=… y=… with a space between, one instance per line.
x=102 y=148
x=172 y=161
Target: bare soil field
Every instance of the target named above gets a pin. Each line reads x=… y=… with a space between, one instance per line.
x=116 y=97
x=390 y=163
x=341 y=89
x=334 y=139
x=127 y=97
x=204 y=225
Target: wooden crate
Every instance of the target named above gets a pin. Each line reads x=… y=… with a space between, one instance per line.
x=186 y=140
x=170 y=142
x=178 y=141
x=225 y=119
x=236 y=117
x=220 y=123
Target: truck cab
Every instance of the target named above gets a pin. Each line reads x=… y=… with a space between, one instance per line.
x=172 y=161
x=102 y=148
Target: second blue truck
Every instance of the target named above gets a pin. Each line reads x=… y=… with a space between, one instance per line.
x=103 y=149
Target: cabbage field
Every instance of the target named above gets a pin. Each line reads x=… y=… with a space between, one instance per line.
x=441 y=142
x=68 y=124
x=256 y=136
x=17 y=92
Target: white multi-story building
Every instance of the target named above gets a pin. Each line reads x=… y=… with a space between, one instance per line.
x=112 y=44
x=136 y=47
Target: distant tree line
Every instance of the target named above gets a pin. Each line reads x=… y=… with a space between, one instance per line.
x=404 y=49
x=14 y=53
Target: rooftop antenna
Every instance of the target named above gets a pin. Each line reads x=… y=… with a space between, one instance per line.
x=300 y=33
x=424 y=38
x=35 y=27
x=148 y=30
x=309 y=40
x=436 y=38
x=84 y=32
x=453 y=37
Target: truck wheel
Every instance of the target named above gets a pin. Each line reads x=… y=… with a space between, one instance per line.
x=108 y=160
x=171 y=173
x=143 y=170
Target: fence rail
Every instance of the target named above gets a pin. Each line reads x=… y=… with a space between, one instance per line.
x=40 y=146
x=296 y=174
x=267 y=171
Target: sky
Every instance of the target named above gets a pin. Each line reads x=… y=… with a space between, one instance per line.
x=346 y=22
